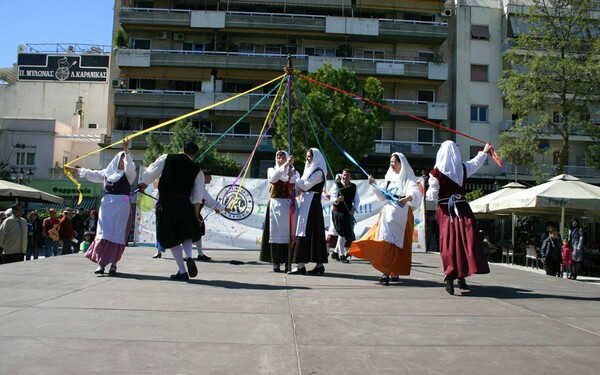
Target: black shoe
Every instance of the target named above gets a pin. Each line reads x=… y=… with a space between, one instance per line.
x=112 y=271
x=344 y=259
x=335 y=256
x=395 y=278
x=191 y=267
x=384 y=279
x=99 y=270
x=449 y=285
x=276 y=268
x=317 y=271
x=297 y=271
x=180 y=277
x=157 y=255
x=204 y=258
x=462 y=284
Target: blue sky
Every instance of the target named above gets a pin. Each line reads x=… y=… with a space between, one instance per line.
x=53 y=21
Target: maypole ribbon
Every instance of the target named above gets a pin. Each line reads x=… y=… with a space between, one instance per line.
x=390 y=196
x=142 y=132
x=440 y=126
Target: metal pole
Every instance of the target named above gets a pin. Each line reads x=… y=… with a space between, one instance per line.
x=292 y=193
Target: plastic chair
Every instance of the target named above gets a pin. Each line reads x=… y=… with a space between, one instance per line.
x=508 y=253
x=531 y=254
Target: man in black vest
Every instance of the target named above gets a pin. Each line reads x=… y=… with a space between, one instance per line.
x=345 y=202
x=180 y=192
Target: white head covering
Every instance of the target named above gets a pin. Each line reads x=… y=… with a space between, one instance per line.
x=284 y=177
x=318 y=161
x=405 y=175
x=448 y=162
x=112 y=172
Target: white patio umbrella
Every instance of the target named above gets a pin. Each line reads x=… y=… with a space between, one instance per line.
x=481 y=205
x=561 y=194
x=9 y=191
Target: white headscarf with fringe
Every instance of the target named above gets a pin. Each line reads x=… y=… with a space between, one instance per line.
x=448 y=161
x=402 y=178
x=284 y=177
x=112 y=172
x=318 y=161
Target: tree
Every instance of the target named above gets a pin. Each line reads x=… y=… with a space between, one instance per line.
x=352 y=124
x=183 y=131
x=553 y=74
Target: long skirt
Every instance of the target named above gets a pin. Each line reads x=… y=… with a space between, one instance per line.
x=272 y=252
x=312 y=248
x=385 y=256
x=461 y=248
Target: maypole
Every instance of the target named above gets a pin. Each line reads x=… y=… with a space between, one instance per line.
x=292 y=193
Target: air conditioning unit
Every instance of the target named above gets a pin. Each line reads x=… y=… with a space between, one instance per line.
x=446 y=13
x=161 y=35
x=178 y=37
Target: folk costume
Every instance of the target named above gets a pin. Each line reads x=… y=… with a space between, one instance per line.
x=342 y=218
x=213 y=204
x=310 y=231
x=388 y=243
x=181 y=186
x=275 y=245
x=460 y=246
x=115 y=211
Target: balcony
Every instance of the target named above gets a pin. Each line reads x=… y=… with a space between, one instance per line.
x=237 y=143
x=154 y=98
x=385 y=30
x=408 y=148
x=379 y=67
x=578 y=171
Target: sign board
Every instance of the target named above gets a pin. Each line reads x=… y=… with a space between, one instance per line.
x=63 y=68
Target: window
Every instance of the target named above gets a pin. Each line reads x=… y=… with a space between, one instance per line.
x=246 y=48
x=198 y=47
x=320 y=51
x=419 y=17
x=289 y=50
x=140 y=44
x=425 y=135
x=480 y=32
x=373 y=54
x=379 y=134
x=93 y=126
x=242 y=128
x=479 y=73
x=25 y=157
x=206 y=126
x=426 y=95
x=273 y=50
x=229 y=86
x=144 y=4
x=479 y=113
x=142 y=84
x=426 y=56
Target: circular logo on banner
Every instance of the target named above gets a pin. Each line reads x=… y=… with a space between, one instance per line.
x=244 y=205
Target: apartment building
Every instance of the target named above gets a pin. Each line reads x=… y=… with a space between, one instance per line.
x=182 y=55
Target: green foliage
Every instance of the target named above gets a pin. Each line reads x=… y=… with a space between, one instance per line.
x=553 y=68
x=475 y=194
x=352 y=124
x=183 y=131
x=120 y=39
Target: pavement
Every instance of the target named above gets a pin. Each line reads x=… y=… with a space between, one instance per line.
x=58 y=317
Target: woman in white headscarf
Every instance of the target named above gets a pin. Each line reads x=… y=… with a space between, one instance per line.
x=275 y=245
x=115 y=209
x=460 y=245
x=310 y=232
x=388 y=243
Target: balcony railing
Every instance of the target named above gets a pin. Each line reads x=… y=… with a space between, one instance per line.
x=578 y=171
x=408 y=148
x=419 y=31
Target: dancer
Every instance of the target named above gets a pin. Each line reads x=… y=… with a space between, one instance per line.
x=115 y=209
x=345 y=201
x=213 y=204
x=388 y=243
x=460 y=246
x=275 y=245
x=310 y=232
x=331 y=236
x=180 y=191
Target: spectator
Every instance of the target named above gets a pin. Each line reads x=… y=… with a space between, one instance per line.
x=489 y=248
x=91 y=223
x=13 y=236
x=576 y=243
x=65 y=231
x=78 y=221
x=551 y=254
x=567 y=260
x=50 y=234
x=35 y=240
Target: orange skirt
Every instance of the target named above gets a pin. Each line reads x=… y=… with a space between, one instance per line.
x=385 y=256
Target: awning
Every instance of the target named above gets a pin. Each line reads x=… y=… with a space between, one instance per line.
x=518 y=25
x=88 y=204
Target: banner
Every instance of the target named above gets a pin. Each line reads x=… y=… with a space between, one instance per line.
x=242 y=227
